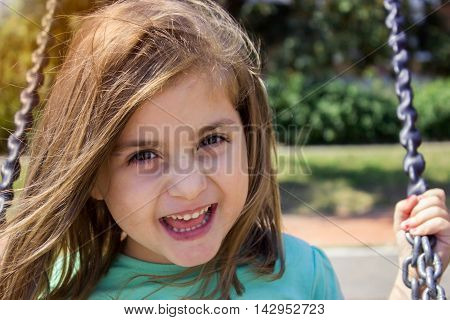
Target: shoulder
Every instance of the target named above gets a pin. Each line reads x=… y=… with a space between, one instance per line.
x=297 y=251
x=294 y=245
x=311 y=264
x=299 y=255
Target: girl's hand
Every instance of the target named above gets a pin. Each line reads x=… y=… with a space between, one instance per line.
x=425 y=214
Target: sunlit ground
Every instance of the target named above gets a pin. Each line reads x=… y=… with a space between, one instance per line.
x=353 y=180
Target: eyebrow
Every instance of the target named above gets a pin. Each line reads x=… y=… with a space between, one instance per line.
x=153 y=143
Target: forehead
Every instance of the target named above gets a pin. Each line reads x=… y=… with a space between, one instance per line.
x=192 y=100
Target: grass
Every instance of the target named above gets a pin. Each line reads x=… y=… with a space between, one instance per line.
x=353 y=180
x=346 y=180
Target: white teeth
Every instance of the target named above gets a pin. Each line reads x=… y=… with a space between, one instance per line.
x=188 y=216
x=192 y=228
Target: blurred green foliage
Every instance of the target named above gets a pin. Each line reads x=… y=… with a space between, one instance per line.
x=432 y=101
x=20 y=24
x=14 y=60
x=337 y=112
x=345 y=111
x=331 y=36
x=328 y=68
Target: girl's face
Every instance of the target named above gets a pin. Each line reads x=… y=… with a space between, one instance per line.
x=192 y=154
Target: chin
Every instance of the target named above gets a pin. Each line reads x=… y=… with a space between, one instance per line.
x=192 y=260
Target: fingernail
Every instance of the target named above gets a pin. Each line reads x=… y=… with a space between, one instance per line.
x=405 y=223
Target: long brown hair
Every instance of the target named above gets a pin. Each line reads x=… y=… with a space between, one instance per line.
x=120 y=56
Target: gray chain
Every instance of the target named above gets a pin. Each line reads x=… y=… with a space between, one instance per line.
x=426 y=262
x=24 y=118
x=429 y=267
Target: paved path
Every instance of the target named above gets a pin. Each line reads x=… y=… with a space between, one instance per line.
x=361 y=250
x=369 y=230
x=369 y=273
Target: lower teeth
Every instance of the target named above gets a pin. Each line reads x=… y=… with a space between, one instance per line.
x=193 y=228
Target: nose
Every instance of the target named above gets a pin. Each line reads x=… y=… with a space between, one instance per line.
x=187 y=184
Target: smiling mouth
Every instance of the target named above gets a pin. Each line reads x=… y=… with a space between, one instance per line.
x=188 y=223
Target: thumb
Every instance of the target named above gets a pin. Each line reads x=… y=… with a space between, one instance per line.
x=403 y=209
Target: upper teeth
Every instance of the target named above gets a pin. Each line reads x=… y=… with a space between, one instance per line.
x=188 y=216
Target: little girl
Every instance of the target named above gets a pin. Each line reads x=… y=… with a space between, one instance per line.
x=150 y=173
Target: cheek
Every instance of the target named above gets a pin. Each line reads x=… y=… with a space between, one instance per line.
x=129 y=196
x=232 y=175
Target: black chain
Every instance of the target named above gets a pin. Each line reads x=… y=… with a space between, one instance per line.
x=426 y=262
x=24 y=118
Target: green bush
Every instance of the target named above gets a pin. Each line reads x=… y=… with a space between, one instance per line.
x=432 y=101
x=345 y=112
x=320 y=36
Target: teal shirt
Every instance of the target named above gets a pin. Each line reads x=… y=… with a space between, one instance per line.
x=309 y=275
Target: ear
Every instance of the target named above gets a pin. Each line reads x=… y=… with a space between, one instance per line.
x=95 y=193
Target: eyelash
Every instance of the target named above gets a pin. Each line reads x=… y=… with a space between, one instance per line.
x=135 y=156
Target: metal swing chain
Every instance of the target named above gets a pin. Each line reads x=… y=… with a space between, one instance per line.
x=24 y=118
x=427 y=263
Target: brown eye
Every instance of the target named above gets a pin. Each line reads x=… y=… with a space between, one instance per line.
x=214 y=139
x=142 y=156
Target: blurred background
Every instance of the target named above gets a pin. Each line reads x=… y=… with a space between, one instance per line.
x=326 y=65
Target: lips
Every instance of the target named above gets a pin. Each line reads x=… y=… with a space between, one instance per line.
x=196 y=232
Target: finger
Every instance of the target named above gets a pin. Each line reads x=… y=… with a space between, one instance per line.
x=423 y=216
x=403 y=209
x=433 y=226
x=440 y=193
x=430 y=201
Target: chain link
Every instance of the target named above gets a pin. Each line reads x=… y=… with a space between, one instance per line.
x=23 y=118
x=426 y=262
x=428 y=266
